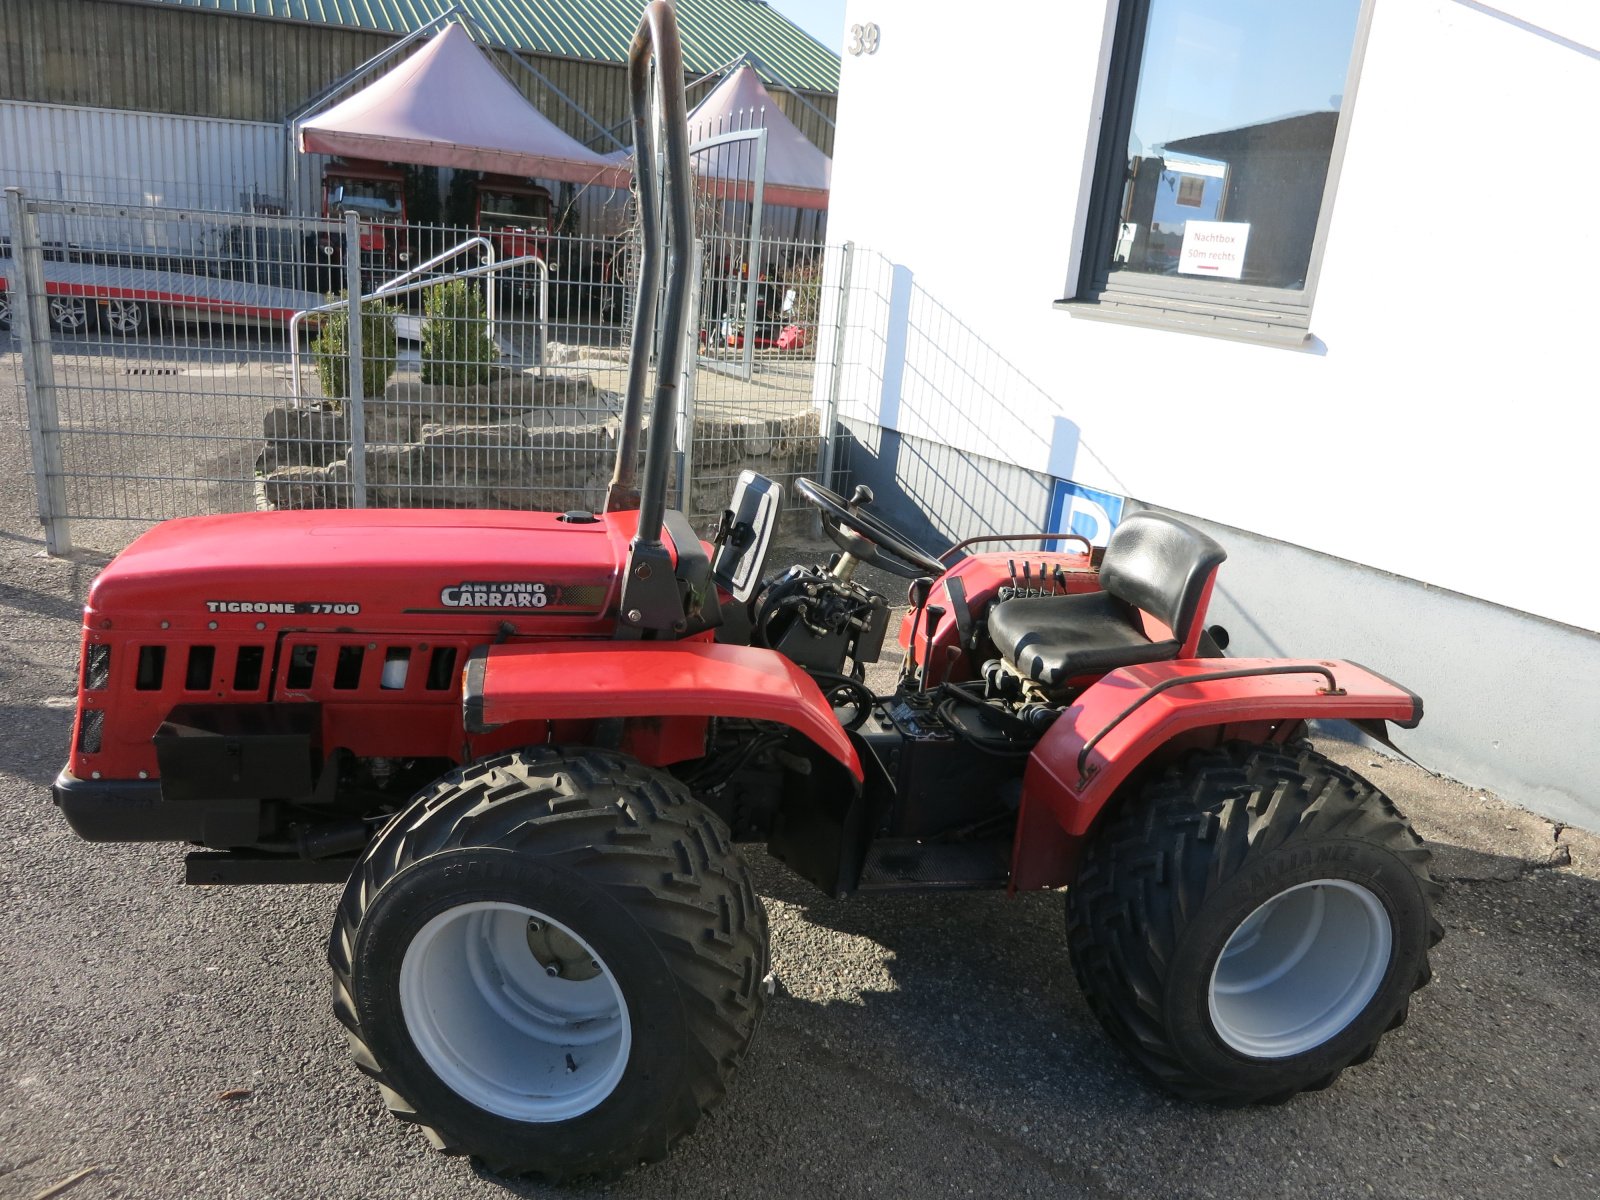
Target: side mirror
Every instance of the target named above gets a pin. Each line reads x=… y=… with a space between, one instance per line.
x=745 y=534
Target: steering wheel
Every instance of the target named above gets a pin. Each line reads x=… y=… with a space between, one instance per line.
x=862 y=534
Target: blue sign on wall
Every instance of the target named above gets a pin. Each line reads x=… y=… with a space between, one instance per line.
x=1085 y=511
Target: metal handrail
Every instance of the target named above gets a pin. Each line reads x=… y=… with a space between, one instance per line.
x=1088 y=546
x=487 y=269
x=443 y=256
x=389 y=286
x=1150 y=693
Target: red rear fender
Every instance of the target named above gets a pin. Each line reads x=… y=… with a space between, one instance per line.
x=1119 y=722
x=677 y=684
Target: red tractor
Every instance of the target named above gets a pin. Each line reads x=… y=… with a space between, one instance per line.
x=531 y=743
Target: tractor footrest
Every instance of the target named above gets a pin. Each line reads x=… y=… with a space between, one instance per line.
x=904 y=864
x=207 y=868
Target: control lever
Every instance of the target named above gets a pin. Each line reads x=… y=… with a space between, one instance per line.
x=918 y=593
x=932 y=615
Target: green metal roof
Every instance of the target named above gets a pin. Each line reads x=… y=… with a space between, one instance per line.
x=714 y=31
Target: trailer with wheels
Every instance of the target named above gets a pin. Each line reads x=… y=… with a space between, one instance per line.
x=130 y=298
x=531 y=744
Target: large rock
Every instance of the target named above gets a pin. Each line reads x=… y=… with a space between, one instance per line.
x=477 y=462
x=297 y=487
x=721 y=440
x=304 y=436
x=394 y=464
x=519 y=441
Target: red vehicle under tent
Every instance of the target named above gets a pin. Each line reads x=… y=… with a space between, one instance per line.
x=516 y=215
x=530 y=743
x=446 y=105
x=376 y=193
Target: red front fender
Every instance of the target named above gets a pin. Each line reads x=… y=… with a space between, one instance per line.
x=677 y=682
x=1122 y=720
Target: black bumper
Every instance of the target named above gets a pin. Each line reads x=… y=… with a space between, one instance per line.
x=134 y=810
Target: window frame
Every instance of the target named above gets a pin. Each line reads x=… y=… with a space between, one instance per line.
x=1250 y=312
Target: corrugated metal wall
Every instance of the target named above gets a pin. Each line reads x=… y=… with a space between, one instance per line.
x=102 y=54
x=121 y=157
x=166 y=60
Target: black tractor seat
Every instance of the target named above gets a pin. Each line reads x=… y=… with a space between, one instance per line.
x=1154 y=567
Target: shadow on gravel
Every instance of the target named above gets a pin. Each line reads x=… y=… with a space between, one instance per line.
x=39 y=737
x=42 y=603
x=980 y=999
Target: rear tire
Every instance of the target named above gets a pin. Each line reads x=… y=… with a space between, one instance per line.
x=1252 y=924
x=552 y=961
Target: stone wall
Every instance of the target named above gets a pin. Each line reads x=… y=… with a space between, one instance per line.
x=520 y=441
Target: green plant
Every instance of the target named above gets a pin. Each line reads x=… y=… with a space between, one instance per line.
x=332 y=348
x=456 y=347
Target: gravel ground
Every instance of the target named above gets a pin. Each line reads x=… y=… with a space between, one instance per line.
x=177 y=1040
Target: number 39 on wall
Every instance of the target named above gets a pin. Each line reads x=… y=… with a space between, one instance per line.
x=863 y=38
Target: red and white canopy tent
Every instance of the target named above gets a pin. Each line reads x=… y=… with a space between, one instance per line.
x=797 y=173
x=448 y=105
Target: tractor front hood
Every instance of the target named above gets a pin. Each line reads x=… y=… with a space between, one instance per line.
x=369 y=569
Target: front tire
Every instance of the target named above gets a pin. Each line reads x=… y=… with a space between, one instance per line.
x=1252 y=924
x=552 y=961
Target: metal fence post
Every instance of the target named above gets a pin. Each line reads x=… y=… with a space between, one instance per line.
x=691 y=357
x=30 y=310
x=355 y=408
x=830 y=412
x=753 y=291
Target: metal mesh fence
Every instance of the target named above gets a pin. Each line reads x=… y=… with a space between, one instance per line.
x=758 y=306
x=930 y=410
x=754 y=402
x=191 y=363
x=156 y=346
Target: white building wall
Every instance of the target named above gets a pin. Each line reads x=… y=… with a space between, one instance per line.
x=1441 y=423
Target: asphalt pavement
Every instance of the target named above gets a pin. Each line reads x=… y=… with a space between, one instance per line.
x=176 y=1042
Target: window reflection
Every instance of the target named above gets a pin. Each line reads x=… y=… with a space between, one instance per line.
x=1231 y=137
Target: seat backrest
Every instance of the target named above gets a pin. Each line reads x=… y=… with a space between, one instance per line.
x=1162 y=567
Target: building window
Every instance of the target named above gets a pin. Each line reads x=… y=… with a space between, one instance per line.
x=1217 y=160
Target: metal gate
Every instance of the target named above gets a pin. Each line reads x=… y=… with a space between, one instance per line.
x=755 y=398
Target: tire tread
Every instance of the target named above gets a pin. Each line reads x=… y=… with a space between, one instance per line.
x=656 y=851
x=1189 y=832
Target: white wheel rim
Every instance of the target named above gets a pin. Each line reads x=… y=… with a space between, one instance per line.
x=69 y=314
x=1300 y=968
x=499 y=1029
x=124 y=316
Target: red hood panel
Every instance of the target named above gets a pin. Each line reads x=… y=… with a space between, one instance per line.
x=388 y=563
